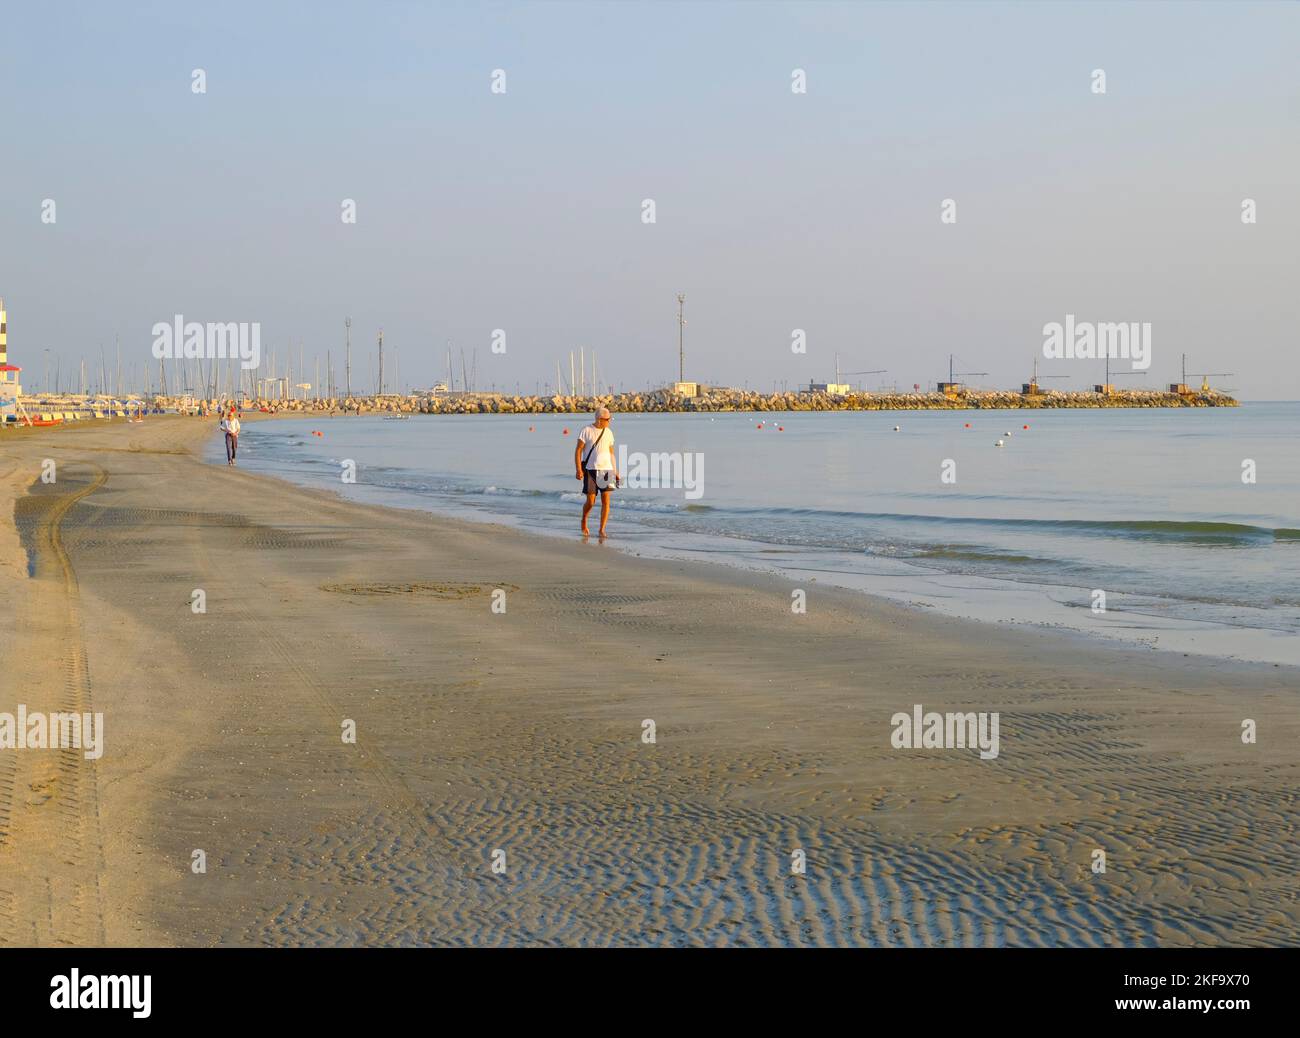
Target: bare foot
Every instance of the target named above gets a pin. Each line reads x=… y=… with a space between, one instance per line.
x=586 y=532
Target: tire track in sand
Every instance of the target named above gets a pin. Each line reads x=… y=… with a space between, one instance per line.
x=51 y=797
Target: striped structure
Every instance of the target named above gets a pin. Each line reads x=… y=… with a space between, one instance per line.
x=9 y=387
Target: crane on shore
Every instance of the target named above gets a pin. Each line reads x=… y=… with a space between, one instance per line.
x=1183 y=389
x=953 y=388
x=838 y=388
x=838 y=373
x=1030 y=388
x=1107 y=388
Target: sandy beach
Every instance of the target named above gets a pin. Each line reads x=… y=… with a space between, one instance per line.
x=522 y=731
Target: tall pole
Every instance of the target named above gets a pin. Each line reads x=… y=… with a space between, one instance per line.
x=381 y=362
x=347 y=363
x=681 y=337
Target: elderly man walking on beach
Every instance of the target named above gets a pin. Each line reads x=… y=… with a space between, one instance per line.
x=594 y=459
x=230 y=426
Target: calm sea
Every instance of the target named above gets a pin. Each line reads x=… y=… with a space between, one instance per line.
x=1148 y=506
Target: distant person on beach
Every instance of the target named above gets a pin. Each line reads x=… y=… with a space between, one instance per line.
x=230 y=426
x=593 y=457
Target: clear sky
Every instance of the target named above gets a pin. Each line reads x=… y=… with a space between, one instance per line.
x=774 y=210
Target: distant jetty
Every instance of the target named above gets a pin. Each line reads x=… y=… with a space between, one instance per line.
x=715 y=400
x=747 y=400
x=57 y=410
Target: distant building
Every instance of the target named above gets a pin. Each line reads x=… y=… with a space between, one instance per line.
x=952 y=389
x=830 y=388
x=686 y=388
x=9 y=387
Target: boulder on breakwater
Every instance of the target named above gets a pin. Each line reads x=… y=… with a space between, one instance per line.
x=663 y=400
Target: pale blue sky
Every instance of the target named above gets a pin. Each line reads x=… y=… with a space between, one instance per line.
x=775 y=211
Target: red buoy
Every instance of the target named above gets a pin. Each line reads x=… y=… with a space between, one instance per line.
x=566 y=432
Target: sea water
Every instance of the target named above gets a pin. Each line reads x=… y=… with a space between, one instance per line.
x=1173 y=528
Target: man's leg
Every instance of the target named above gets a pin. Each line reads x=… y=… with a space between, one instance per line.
x=604 y=512
x=586 y=511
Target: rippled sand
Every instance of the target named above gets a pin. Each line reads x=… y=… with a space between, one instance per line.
x=522 y=732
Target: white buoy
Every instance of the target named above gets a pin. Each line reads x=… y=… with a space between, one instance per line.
x=998 y=444
x=895 y=428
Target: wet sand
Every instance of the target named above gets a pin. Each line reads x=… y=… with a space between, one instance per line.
x=522 y=732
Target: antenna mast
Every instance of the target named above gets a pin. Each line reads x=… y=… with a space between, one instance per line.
x=681 y=337
x=347 y=362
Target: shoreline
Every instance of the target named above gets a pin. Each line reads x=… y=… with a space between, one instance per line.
x=523 y=731
x=990 y=601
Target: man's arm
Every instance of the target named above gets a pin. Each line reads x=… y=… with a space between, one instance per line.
x=577 y=457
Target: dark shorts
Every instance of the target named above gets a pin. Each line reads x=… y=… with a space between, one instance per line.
x=594 y=482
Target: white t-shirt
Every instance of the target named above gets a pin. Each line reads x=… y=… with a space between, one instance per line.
x=231 y=425
x=602 y=458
